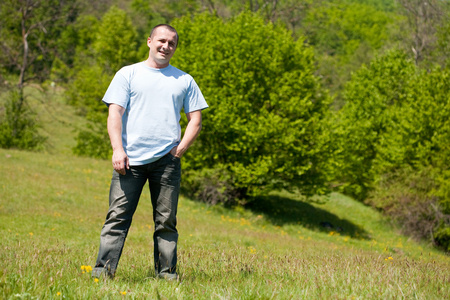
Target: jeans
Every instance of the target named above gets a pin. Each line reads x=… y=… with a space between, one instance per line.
x=164 y=176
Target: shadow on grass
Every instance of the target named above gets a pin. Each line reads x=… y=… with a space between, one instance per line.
x=281 y=210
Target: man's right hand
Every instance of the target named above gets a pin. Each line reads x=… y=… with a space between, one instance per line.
x=120 y=162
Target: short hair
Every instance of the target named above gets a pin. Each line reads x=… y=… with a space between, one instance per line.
x=166 y=26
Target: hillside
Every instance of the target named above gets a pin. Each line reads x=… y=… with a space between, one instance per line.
x=53 y=205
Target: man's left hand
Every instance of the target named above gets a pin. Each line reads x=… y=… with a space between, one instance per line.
x=175 y=152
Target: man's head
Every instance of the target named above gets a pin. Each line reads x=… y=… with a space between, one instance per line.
x=162 y=44
x=168 y=27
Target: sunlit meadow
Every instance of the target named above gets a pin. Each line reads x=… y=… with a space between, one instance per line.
x=53 y=204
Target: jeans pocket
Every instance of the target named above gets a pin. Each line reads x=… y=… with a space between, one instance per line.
x=174 y=158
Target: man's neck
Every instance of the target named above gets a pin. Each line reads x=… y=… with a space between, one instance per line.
x=153 y=64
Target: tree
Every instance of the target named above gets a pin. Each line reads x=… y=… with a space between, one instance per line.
x=113 y=45
x=28 y=29
x=393 y=134
x=264 y=128
x=345 y=35
x=371 y=98
x=424 y=19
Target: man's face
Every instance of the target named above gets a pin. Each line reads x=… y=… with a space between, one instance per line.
x=162 y=44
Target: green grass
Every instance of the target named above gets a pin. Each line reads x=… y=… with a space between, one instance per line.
x=53 y=204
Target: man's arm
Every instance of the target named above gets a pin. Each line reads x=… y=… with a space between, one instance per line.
x=119 y=159
x=193 y=129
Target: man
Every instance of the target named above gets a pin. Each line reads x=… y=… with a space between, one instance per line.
x=145 y=101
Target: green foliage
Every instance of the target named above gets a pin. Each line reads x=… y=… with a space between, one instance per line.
x=30 y=30
x=18 y=126
x=212 y=186
x=372 y=98
x=153 y=13
x=75 y=48
x=87 y=89
x=111 y=47
x=406 y=196
x=443 y=41
x=339 y=29
x=345 y=35
x=264 y=126
x=442 y=237
x=115 y=43
x=420 y=136
x=396 y=122
x=93 y=140
x=86 y=92
x=384 y=5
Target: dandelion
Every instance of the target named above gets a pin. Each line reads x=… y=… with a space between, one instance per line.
x=31 y=234
x=58 y=294
x=96 y=279
x=124 y=293
x=86 y=269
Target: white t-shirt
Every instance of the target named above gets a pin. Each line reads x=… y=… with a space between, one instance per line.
x=153 y=99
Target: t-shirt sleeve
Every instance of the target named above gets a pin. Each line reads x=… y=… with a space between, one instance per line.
x=118 y=91
x=194 y=99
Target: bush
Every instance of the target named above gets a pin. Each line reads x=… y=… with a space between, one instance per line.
x=373 y=98
x=18 y=126
x=93 y=141
x=211 y=186
x=265 y=125
x=392 y=137
x=407 y=197
x=442 y=236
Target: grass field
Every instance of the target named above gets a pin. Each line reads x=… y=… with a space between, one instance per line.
x=53 y=204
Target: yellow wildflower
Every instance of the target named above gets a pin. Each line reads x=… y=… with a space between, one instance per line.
x=96 y=279
x=123 y=293
x=86 y=269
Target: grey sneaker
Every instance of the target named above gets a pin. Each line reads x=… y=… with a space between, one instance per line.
x=101 y=273
x=168 y=276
